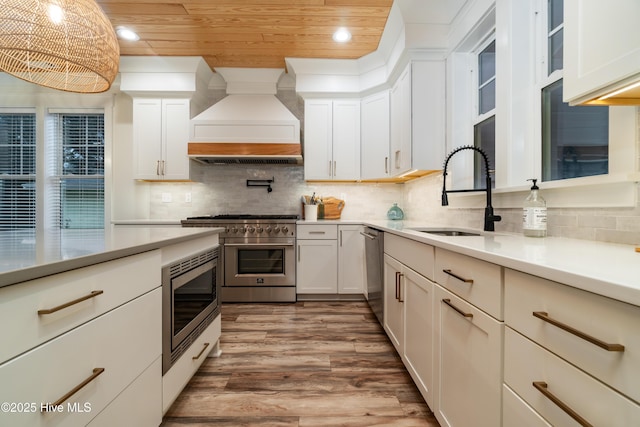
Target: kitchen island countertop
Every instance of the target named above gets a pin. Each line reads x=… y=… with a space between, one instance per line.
x=26 y=256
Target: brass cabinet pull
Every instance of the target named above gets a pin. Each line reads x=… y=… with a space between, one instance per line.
x=456 y=309
x=386 y=165
x=400 y=297
x=93 y=376
x=609 y=347
x=541 y=386
x=201 y=351
x=462 y=279
x=398 y=293
x=335 y=168
x=70 y=303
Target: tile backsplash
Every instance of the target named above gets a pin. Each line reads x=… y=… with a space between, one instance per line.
x=222 y=189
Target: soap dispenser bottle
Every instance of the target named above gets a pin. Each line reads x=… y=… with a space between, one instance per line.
x=534 y=223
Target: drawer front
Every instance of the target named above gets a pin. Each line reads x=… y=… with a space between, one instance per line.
x=516 y=412
x=474 y=280
x=527 y=363
x=181 y=372
x=120 y=281
x=468 y=363
x=317 y=231
x=124 y=342
x=139 y=405
x=415 y=255
x=605 y=319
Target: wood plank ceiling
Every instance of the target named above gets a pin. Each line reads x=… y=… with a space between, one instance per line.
x=249 y=33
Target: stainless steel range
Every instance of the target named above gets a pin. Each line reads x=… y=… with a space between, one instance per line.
x=258 y=256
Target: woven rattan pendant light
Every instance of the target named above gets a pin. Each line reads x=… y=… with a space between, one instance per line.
x=62 y=44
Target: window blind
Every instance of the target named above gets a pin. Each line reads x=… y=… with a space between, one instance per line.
x=75 y=191
x=17 y=170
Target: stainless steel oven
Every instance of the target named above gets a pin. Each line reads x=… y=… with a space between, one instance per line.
x=258 y=256
x=190 y=302
x=261 y=264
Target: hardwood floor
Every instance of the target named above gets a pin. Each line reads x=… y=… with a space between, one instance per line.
x=301 y=364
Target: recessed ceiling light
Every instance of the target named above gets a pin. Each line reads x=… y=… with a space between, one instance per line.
x=127 y=34
x=342 y=35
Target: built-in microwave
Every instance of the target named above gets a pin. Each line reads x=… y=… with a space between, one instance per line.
x=190 y=302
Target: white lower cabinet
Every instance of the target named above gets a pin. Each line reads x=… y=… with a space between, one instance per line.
x=418 y=331
x=317 y=271
x=330 y=259
x=557 y=389
x=393 y=303
x=571 y=354
x=108 y=353
x=350 y=259
x=468 y=363
x=408 y=318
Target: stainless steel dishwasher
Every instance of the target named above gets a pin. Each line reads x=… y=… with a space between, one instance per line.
x=374 y=256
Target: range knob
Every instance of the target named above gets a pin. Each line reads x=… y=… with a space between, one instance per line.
x=234 y=229
x=268 y=229
x=251 y=229
x=259 y=229
x=285 y=230
x=276 y=229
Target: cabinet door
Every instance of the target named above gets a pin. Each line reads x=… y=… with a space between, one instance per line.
x=428 y=112
x=346 y=139
x=350 y=259
x=318 y=135
x=468 y=357
x=400 y=125
x=147 y=138
x=418 y=331
x=602 y=47
x=374 y=142
x=175 y=138
x=393 y=303
x=317 y=271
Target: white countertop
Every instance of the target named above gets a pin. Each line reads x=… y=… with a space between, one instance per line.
x=26 y=256
x=608 y=269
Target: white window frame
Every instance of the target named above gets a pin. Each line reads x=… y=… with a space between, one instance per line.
x=521 y=73
x=55 y=175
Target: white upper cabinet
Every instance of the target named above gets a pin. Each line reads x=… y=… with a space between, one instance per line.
x=417 y=125
x=332 y=139
x=602 y=50
x=375 y=136
x=160 y=138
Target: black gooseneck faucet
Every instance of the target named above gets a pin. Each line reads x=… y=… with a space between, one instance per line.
x=489 y=217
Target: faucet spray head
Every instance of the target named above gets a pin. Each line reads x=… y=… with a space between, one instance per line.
x=445 y=199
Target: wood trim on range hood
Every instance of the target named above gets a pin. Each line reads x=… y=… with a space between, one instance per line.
x=245 y=152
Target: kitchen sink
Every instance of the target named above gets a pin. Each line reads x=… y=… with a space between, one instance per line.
x=447 y=232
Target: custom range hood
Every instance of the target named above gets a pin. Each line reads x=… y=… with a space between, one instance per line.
x=250 y=125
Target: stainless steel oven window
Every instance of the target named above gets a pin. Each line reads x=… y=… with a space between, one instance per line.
x=260 y=261
x=193 y=291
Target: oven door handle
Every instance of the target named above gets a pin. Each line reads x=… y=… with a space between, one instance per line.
x=258 y=244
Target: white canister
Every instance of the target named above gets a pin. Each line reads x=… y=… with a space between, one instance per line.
x=310 y=212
